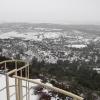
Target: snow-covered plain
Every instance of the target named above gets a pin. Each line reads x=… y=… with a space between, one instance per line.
x=37 y=36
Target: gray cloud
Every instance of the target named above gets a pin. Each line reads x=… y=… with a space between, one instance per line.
x=51 y=11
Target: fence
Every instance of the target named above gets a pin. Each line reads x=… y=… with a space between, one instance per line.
x=17 y=73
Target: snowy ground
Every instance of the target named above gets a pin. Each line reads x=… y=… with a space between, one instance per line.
x=77 y=46
x=12 y=89
x=37 y=36
x=3 y=95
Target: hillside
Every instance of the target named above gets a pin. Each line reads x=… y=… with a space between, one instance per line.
x=66 y=54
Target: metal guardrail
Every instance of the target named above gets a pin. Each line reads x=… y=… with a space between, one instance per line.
x=19 y=79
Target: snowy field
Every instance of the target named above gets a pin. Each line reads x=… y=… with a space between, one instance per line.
x=37 y=36
x=3 y=95
x=12 y=89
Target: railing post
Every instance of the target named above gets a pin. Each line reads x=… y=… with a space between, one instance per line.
x=7 y=84
x=20 y=95
x=26 y=82
x=28 y=85
x=16 y=82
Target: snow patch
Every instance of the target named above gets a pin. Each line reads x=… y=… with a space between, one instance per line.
x=77 y=46
x=37 y=36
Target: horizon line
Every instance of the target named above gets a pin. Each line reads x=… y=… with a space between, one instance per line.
x=45 y=23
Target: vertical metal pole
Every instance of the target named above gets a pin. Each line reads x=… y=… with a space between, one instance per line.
x=26 y=81
x=16 y=82
x=28 y=85
x=7 y=83
x=21 y=73
x=20 y=89
x=7 y=87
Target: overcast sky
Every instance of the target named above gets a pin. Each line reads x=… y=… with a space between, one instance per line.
x=50 y=11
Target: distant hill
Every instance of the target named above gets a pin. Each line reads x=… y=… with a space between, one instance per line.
x=22 y=27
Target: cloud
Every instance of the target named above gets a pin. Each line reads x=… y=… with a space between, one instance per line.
x=51 y=11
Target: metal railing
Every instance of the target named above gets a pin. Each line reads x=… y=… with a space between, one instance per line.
x=17 y=73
